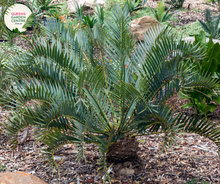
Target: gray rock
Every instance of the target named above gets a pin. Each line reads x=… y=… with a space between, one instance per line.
x=19 y=178
x=140 y=26
x=126 y=171
x=192 y=39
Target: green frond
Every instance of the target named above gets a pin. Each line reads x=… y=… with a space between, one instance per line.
x=168 y=15
x=159 y=117
x=84 y=96
x=119 y=43
x=201 y=126
x=55 y=140
x=211 y=23
x=205 y=27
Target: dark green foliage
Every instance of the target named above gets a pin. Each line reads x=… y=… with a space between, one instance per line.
x=133 y=5
x=205 y=101
x=160 y=14
x=89 y=21
x=211 y=24
x=45 y=5
x=176 y=3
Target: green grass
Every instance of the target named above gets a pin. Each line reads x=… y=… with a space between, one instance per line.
x=189 y=29
x=2 y=167
x=197 y=10
x=195 y=181
x=9 y=52
x=143 y=12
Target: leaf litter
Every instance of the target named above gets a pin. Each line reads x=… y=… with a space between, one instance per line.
x=196 y=157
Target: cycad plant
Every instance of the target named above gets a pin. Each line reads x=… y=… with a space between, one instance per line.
x=176 y=3
x=160 y=14
x=211 y=24
x=4 y=4
x=105 y=98
x=7 y=52
x=89 y=21
x=46 y=5
x=79 y=11
x=133 y=5
x=1 y=21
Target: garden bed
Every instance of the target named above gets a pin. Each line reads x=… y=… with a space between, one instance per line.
x=195 y=160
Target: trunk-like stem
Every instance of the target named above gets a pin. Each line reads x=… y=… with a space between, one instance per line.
x=125 y=149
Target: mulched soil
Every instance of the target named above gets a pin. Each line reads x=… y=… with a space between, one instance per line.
x=187 y=17
x=193 y=11
x=195 y=158
x=23 y=43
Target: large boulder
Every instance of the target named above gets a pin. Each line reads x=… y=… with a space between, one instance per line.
x=19 y=178
x=88 y=4
x=140 y=26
